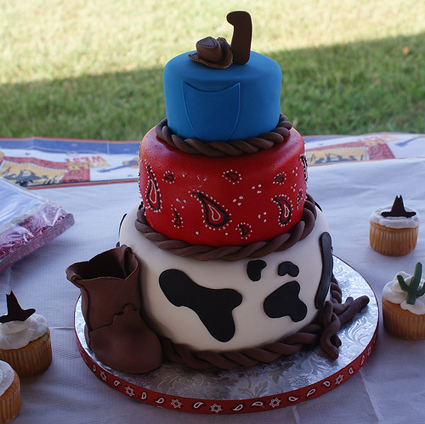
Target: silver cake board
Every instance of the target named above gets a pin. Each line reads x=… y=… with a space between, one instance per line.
x=287 y=381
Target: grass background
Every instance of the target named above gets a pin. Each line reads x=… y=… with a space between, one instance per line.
x=93 y=68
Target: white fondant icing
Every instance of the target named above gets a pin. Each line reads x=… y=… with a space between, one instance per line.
x=253 y=327
x=17 y=334
x=394 y=294
x=394 y=222
x=7 y=376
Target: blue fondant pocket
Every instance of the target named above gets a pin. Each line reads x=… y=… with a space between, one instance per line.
x=213 y=115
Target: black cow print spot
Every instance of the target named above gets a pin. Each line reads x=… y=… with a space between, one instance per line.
x=254 y=268
x=288 y=268
x=284 y=301
x=325 y=279
x=213 y=306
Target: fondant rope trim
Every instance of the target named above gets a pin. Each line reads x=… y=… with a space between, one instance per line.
x=232 y=253
x=333 y=315
x=194 y=146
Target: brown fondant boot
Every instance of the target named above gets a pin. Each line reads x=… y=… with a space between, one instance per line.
x=111 y=305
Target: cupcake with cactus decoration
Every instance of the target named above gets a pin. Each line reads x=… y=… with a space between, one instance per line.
x=403 y=305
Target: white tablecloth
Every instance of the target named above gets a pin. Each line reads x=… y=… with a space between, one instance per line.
x=389 y=388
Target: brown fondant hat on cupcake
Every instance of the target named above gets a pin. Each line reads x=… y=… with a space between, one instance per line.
x=14 y=310
x=398 y=209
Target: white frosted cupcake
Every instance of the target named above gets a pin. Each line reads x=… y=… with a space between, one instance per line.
x=24 y=339
x=10 y=393
x=403 y=305
x=394 y=229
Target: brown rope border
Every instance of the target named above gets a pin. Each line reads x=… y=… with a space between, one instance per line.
x=232 y=253
x=333 y=315
x=251 y=145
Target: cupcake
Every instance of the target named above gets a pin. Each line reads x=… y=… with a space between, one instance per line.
x=10 y=393
x=24 y=339
x=403 y=305
x=394 y=229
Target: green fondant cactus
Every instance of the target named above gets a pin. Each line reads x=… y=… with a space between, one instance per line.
x=412 y=290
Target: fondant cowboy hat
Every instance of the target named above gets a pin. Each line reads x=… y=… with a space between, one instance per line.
x=14 y=310
x=215 y=53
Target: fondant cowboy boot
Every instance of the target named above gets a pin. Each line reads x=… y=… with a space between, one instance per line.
x=111 y=305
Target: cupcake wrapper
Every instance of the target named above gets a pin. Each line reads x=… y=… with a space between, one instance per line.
x=404 y=325
x=392 y=242
x=32 y=359
x=10 y=401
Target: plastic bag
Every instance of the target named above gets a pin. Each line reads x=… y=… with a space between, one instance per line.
x=27 y=222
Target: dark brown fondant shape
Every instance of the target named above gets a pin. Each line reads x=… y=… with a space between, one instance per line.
x=107 y=283
x=216 y=149
x=231 y=253
x=334 y=314
x=111 y=305
x=14 y=310
x=214 y=53
x=398 y=210
x=242 y=35
x=127 y=345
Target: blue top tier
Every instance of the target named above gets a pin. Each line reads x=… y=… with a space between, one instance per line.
x=238 y=102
